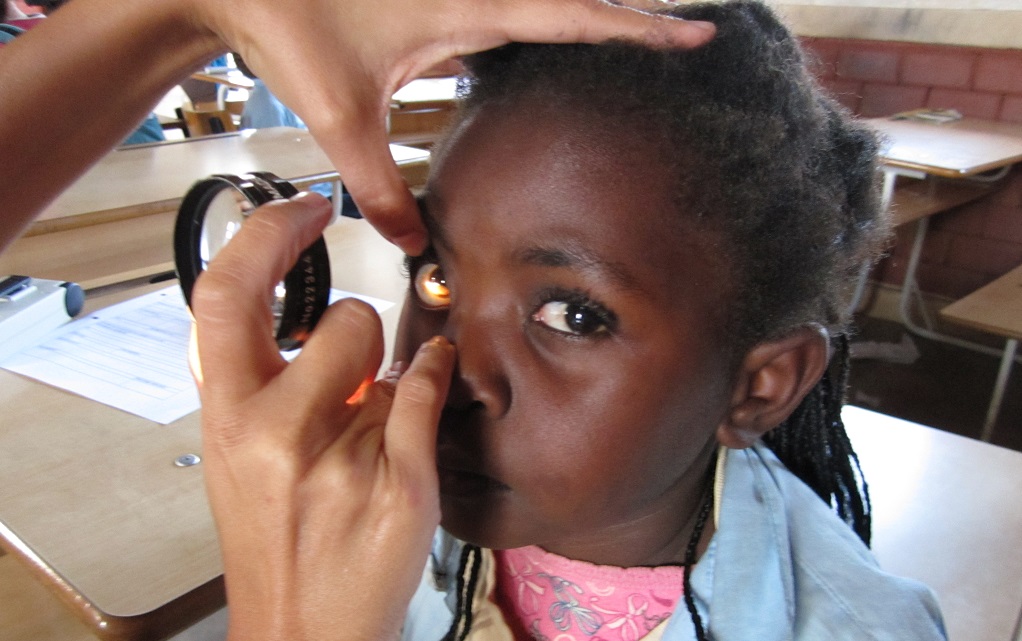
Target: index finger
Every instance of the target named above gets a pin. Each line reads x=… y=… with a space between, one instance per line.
x=377 y=186
x=596 y=21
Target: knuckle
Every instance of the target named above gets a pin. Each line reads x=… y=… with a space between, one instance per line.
x=418 y=389
x=214 y=292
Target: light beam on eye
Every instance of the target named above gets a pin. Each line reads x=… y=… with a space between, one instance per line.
x=435 y=288
x=431 y=287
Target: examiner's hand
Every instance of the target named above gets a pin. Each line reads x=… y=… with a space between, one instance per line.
x=337 y=63
x=322 y=482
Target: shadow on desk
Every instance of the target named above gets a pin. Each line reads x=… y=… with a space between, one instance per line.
x=31 y=613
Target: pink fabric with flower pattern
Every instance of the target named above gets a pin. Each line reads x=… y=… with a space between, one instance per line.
x=550 y=598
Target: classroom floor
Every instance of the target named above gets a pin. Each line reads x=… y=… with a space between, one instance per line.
x=946 y=387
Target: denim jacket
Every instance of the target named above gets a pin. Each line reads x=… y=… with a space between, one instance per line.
x=781 y=566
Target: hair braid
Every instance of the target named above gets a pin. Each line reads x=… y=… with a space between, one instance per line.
x=813 y=444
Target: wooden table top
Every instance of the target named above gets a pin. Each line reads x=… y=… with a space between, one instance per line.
x=234 y=79
x=946 y=511
x=955 y=149
x=994 y=308
x=91 y=499
x=144 y=179
x=426 y=93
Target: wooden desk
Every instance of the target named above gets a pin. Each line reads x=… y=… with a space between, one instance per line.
x=426 y=93
x=997 y=309
x=961 y=151
x=419 y=93
x=116 y=222
x=233 y=79
x=421 y=110
x=958 y=149
x=946 y=511
x=90 y=498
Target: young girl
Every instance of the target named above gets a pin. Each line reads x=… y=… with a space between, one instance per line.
x=644 y=259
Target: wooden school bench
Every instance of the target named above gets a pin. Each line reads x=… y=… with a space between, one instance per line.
x=997 y=309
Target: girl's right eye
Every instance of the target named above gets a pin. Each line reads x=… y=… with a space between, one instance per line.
x=431 y=286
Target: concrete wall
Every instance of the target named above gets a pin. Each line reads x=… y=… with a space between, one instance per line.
x=980 y=23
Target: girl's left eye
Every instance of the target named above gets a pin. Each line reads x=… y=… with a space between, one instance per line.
x=574 y=318
x=431 y=286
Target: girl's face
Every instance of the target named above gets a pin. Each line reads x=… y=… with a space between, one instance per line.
x=591 y=373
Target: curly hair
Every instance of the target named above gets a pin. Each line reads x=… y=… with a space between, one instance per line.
x=768 y=158
x=761 y=156
x=758 y=153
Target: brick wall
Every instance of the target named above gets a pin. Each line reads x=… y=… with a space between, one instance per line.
x=971 y=245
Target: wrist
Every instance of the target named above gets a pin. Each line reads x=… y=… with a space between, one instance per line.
x=181 y=39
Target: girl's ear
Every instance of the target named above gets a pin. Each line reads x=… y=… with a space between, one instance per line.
x=773 y=379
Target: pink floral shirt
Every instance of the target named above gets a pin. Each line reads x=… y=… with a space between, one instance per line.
x=550 y=598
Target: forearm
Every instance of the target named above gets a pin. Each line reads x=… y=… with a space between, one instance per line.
x=76 y=85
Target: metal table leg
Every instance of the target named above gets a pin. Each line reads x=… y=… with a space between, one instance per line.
x=1007 y=360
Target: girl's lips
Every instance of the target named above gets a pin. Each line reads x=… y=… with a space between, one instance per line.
x=459 y=459
x=462 y=484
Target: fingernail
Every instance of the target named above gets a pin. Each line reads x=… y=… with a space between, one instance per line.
x=708 y=27
x=437 y=342
x=412 y=243
x=311 y=200
x=393 y=374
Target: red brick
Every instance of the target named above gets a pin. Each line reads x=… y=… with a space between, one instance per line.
x=847 y=92
x=870 y=65
x=1000 y=72
x=884 y=100
x=1004 y=222
x=1011 y=109
x=1006 y=192
x=1003 y=219
x=936 y=246
x=970 y=103
x=901 y=241
x=967 y=220
x=952 y=70
x=891 y=270
x=984 y=255
x=949 y=281
x=1013 y=186
x=821 y=56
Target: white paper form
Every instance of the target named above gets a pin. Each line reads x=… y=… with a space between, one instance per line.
x=132 y=356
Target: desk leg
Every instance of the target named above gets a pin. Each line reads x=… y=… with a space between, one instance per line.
x=909 y=289
x=1007 y=360
x=338 y=201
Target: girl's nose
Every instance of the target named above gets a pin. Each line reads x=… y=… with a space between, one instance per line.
x=480 y=375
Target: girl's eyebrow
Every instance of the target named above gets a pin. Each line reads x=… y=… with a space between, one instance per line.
x=579 y=257
x=570 y=255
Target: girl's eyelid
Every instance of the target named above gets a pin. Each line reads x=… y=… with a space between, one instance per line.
x=608 y=319
x=411 y=263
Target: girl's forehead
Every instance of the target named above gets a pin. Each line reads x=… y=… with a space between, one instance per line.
x=521 y=180
x=549 y=167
